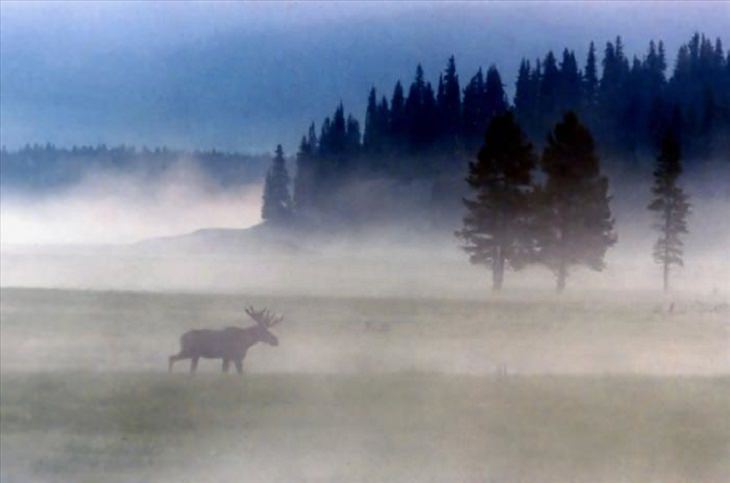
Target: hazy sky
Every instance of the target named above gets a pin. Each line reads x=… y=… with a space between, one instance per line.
x=249 y=75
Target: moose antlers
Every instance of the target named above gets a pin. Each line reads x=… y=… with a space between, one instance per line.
x=264 y=317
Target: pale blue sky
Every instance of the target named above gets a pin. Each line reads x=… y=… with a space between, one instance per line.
x=249 y=75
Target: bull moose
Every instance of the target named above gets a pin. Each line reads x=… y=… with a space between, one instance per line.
x=229 y=344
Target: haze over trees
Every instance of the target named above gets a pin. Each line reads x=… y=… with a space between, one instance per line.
x=670 y=206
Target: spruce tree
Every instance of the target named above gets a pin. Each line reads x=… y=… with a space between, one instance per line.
x=414 y=111
x=570 y=88
x=276 y=199
x=372 y=139
x=473 y=115
x=523 y=101
x=549 y=90
x=611 y=92
x=655 y=65
x=398 y=125
x=305 y=181
x=670 y=206
x=590 y=82
x=352 y=136
x=527 y=90
x=495 y=100
x=449 y=105
x=496 y=226
x=574 y=214
x=384 y=123
x=428 y=125
x=338 y=132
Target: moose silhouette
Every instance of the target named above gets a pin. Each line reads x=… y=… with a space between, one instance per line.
x=229 y=344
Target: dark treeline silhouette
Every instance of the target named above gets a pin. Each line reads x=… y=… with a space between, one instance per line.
x=427 y=132
x=46 y=167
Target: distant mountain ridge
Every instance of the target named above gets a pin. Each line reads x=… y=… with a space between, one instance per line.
x=256 y=239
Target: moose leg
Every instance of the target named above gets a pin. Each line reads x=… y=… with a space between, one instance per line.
x=226 y=365
x=172 y=360
x=194 y=364
x=239 y=365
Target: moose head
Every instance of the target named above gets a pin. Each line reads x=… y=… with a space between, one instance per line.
x=265 y=320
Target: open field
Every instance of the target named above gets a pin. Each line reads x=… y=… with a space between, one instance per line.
x=598 y=389
x=526 y=332
x=398 y=427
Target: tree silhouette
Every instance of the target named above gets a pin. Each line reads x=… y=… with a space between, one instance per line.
x=670 y=206
x=549 y=90
x=574 y=214
x=473 y=114
x=448 y=102
x=372 y=139
x=276 y=199
x=398 y=125
x=570 y=88
x=495 y=100
x=496 y=228
x=305 y=182
x=590 y=80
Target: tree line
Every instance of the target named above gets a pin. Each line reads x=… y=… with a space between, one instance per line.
x=43 y=167
x=564 y=220
x=430 y=132
x=553 y=208
x=560 y=219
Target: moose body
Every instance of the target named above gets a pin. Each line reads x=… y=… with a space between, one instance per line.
x=229 y=344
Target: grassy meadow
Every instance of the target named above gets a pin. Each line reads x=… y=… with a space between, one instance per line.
x=519 y=388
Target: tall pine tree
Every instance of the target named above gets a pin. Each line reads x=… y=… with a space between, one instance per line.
x=398 y=123
x=449 y=106
x=495 y=100
x=473 y=111
x=590 y=82
x=277 y=204
x=549 y=90
x=670 y=206
x=574 y=214
x=570 y=88
x=371 y=141
x=496 y=226
x=305 y=182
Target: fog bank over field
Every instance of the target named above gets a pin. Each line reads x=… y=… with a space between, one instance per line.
x=182 y=231
x=378 y=264
x=108 y=207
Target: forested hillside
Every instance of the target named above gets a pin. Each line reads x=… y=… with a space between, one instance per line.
x=428 y=131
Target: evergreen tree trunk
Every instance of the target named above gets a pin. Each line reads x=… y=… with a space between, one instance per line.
x=562 y=275
x=498 y=269
x=667 y=225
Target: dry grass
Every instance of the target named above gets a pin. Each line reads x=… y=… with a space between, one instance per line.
x=366 y=390
x=397 y=427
